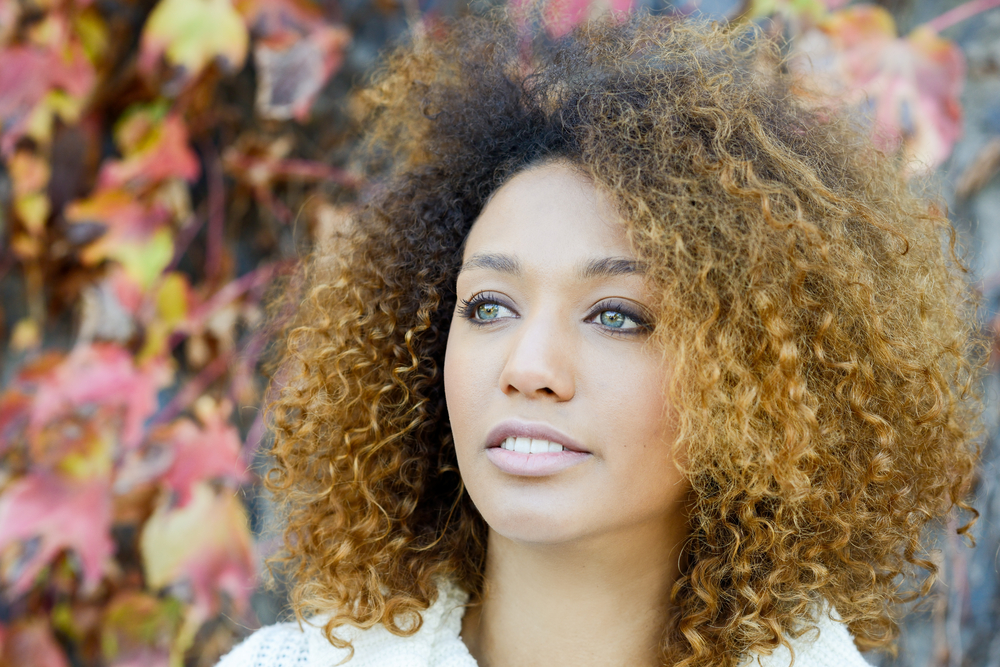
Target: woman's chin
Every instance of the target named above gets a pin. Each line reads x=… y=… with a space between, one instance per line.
x=524 y=523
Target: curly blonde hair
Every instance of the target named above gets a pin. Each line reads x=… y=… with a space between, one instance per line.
x=816 y=320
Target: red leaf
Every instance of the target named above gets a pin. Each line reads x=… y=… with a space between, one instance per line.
x=101 y=375
x=201 y=453
x=28 y=74
x=912 y=83
x=30 y=643
x=60 y=514
x=561 y=16
x=161 y=154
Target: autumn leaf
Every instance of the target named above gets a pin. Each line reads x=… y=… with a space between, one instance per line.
x=41 y=514
x=561 y=16
x=909 y=85
x=203 y=548
x=135 y=234
x=296 y=52
x=807 y=10
x=260 y=163
x=123 y=216
x=30 y=643
x=76 y=447
x=185 y=453
x=192 y=34
x=100 y=376
x=30 y=79
x=138 y=630
x=172 y=302
x=292 y=77
x=9 y=14
x=154 y=152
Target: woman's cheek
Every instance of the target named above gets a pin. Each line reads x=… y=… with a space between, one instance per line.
x=466 y=378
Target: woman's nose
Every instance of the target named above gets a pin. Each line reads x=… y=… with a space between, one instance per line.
x=540 y=362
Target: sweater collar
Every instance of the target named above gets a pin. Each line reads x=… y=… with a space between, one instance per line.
x=436 y=644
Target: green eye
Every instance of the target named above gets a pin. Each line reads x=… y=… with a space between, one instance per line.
x=488 y=311
x=613 y=319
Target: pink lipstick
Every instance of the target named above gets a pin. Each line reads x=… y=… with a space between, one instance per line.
x=527 y=449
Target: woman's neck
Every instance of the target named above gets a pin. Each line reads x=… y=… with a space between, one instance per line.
x=600 y=601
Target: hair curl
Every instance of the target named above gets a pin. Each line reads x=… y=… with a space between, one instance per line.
x=818 y=327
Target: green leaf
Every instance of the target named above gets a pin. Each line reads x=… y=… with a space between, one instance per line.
x=146 y=260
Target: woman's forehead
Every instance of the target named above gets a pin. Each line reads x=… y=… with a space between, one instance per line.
x=547 y=209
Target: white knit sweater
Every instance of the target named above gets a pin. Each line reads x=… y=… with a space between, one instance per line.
x=437 y=644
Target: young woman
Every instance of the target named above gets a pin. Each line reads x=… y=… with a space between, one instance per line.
x=633 y=355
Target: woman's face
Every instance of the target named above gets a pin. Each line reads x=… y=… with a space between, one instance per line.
x=547 y=355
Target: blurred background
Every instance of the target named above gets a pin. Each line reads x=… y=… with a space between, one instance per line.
x=163 y=163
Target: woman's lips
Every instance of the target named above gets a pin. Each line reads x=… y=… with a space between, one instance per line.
x=529 y=449
x=534 y=465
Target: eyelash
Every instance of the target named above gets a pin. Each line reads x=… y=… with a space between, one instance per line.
x=468 y=310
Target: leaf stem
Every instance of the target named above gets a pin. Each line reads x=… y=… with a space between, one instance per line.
x=958 y=14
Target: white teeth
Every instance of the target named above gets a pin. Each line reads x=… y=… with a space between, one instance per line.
x=538 y=446
x=530 y=446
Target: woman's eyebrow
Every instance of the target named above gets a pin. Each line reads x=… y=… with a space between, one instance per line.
x=610 y=267
x=603 y=267
x=494 y=262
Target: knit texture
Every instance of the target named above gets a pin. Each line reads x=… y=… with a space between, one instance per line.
x=437 y=644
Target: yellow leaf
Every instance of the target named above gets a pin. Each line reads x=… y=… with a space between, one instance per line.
x=193 y=33
x=33 y=210
x=39 y=124
x=90 y=459
x=172 y=299
x=206 y=544
x=137 y=123
x=26 y=335
x=29 y=172
x=65 y=105
x=171 y=308
x=93 y=33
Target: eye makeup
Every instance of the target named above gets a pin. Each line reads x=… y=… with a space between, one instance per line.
x=614 y=316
